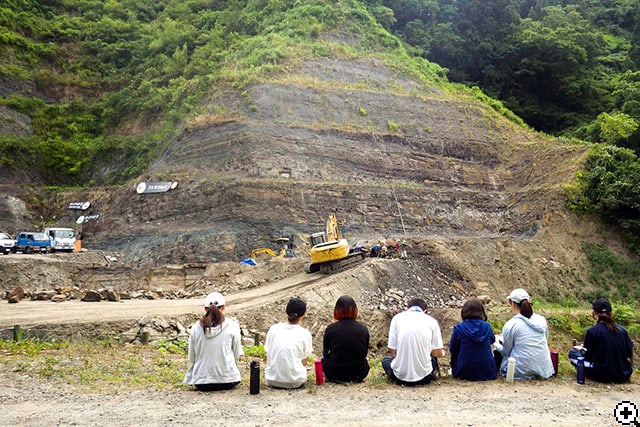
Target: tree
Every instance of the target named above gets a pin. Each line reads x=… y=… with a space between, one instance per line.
x=616 y=127
x=610 y=187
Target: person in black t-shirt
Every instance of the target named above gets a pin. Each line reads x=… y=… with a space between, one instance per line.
x=345 y=344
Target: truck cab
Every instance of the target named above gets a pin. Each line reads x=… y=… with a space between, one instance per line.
x=32 y=241
x=62 y=239
x=6 y=243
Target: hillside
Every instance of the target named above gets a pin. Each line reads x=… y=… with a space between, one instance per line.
x=463 y=182
x=387 y=145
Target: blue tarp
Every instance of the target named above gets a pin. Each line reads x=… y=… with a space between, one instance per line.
x=248 y=261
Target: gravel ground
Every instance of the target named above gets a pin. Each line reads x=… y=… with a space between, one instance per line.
x=32 y=402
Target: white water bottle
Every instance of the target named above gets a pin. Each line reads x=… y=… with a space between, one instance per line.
x=511 y=369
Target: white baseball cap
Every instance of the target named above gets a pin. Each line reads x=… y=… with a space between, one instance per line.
x=518 y=295
x=214 y=298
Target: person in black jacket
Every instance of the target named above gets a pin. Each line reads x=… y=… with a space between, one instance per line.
x=345 y=344
x=607 y=348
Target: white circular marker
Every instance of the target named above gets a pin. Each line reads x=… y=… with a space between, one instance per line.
x=141 y=187
x=80 y=219
x=626 y=413
x=174 y=184
x=86 y=205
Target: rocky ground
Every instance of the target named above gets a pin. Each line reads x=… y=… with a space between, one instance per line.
x=256 y=297
x=448 y=402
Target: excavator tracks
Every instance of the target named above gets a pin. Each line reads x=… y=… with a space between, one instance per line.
x=336 y=266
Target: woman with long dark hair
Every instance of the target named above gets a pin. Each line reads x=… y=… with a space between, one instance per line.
x=607 y=348
x=214 y=348
x=345 y=344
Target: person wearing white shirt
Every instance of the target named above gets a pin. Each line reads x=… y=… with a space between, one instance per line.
x=214 y=348
x=287 y=346
x=415 y=343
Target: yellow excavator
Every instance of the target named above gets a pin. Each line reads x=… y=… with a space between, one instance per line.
x=286 y=250
x=267 y=251
x=330 y=251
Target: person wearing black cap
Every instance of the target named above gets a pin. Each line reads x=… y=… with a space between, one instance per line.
x=607 y=348
x=287 y=346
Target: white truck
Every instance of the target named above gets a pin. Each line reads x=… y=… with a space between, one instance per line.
x=6 y=243
x=62 y=239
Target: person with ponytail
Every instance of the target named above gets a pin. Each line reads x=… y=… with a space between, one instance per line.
x=214 y=348
x=287 y=346
x=524 y=337
x=607 y=348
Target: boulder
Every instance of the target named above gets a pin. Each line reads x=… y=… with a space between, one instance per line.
x=91 y=296
x=15 y=295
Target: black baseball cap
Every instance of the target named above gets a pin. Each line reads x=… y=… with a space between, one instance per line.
x=601 y=305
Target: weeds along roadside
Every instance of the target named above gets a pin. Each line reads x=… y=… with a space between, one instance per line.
x=108 y=366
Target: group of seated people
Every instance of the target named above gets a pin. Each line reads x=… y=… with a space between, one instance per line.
x=415 y=344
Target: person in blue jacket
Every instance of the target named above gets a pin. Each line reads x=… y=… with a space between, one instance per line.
x=470 y=345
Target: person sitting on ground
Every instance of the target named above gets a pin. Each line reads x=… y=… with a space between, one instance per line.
x=345 y=344
x=470 y=345
x=607 y=348
x=287 y=346
x=415 y=343
x=524 y=337
x=214 y=348
x=375 y=251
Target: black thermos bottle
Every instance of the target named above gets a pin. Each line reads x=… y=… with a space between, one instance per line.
x=254 y=378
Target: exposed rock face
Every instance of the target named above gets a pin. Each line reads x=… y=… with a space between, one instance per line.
x=474 y=194
x=14 y=123
x=387 y=154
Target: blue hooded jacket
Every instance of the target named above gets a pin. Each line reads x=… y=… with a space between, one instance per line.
x=471 y=355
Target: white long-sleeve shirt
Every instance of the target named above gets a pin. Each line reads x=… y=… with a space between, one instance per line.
x=526 y=341
x=213 y=355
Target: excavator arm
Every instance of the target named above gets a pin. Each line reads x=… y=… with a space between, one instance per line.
x=333 y=232
x=262 y=251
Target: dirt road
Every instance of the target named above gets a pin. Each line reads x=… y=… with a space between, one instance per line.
x=31 y=313
x=32 y=402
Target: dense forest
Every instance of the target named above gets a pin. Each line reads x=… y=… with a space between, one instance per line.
x=103 y=84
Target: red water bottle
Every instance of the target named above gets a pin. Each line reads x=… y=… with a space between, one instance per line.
x=554 y=361
x=319 y=374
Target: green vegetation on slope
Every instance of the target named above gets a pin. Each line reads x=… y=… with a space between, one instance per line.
x=114 y=80
x=609 y=186
x=557 y=64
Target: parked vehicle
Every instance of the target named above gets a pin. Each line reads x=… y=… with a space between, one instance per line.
x=6 y=243
x=30 y=241
x=62 y=239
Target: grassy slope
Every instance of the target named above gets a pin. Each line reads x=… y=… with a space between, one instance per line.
x=114 y=81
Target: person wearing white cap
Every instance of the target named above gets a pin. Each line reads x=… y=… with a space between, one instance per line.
x=214 y=348
x=524 y=337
